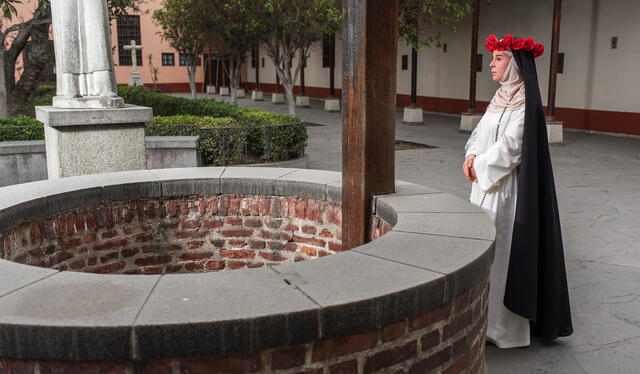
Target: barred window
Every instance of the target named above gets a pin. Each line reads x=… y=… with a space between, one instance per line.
x=128 y=30
x=168 y=59
x=185 y=59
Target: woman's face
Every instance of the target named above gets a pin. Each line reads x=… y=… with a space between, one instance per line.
x=499 y=65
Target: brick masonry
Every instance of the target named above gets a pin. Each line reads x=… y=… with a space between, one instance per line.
x=197 y=234
x=448 y=339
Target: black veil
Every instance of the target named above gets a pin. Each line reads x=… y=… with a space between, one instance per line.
x=536 y=285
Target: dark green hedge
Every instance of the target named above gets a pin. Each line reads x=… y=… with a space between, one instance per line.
x=229 y=134
x=20 y=128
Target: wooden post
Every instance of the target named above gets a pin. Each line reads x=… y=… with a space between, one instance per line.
x=332 y=68
x=414 y=77
x=257 y=67
x=553 y=71
x=302 y=93
x=473 y=71
x=368 y=119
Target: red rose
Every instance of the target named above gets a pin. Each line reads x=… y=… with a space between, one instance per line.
x=507 y=40
x=528 y=44
x=492 y=41
x=538 y=50
x=517 y=44
x=501 y=46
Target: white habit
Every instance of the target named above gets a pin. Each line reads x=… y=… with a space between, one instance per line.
x=496 y=170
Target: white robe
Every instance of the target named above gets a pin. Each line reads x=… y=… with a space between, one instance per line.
x=496 y=170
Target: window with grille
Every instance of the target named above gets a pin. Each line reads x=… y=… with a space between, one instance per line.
x=168 y=59
x=128 y=30
x=186 y=59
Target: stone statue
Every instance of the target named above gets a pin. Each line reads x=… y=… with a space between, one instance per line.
x=84 y=63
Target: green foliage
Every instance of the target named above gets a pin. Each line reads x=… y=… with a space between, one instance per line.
x=177 y=20
x=21 y=128
x=269 y=136
x=421 y=21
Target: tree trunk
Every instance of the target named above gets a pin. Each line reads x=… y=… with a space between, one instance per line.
x=3 y=89
x=291 y=101
x=192 y=79
x=234 y=81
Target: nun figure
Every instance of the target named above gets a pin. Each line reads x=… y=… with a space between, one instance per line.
x=508 y=162
x=84 y=62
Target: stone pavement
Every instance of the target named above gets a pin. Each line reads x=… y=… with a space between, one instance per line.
x=598 y=186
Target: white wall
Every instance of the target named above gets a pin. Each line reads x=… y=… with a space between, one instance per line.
x=595 y=76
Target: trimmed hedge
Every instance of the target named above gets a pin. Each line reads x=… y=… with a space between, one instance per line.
x=229 y=133
x=20 y=128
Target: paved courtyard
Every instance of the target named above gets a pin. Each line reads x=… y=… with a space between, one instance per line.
x=597 y=178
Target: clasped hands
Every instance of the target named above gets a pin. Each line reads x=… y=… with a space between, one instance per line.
x=467 y=167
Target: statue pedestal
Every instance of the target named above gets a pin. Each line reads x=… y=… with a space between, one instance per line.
x=468 y=121
x=91 y=141
x=554 y=132
x=257 y=95
x=332 y=105
x=135 y=79
x=412 y=116
x=302 y=101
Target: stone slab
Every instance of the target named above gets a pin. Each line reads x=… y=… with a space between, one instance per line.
x=468 y=121
x=302 y=101
x=215 y=313
x=277 y=98
x=429 y=203
x=247 y=180
x=211 y=89
x=459 y=225
x=357 y=291
x=241 y=93
x=189 y=181
x=257 y=95
x=554 y=132
x=224 y=91
x=14 y=276
x=171 y=141
x=24 y=146
x=412 y=116
x=73 y=316
x=56 y=117
x=463 y=261
x=332 y=105
x=306 y=183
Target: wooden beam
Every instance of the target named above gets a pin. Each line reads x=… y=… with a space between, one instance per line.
x=368 y=119
x=553 y=71
x=473 y=71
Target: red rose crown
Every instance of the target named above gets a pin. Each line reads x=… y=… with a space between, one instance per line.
x=520 y=44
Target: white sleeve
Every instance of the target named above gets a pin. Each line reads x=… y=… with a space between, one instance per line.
x=470 y=148
x=503 y=156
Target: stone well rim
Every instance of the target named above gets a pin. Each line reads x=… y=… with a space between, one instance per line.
x=167 y=316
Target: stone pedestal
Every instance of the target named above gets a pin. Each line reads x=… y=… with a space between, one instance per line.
x=224 y=91
x=211 y=89
x=554 y=132
x=257 y=95
x=468 y=121
x=277 y=98
x=135 y=79
x=412 y=116
x=302 y=101
x=91 y=141
x=240 y=93
x=332 y=105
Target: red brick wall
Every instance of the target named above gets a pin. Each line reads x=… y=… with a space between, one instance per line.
x=198 y=234
x=449 y=339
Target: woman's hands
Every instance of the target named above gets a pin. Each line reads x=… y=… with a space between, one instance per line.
x=467 y=167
